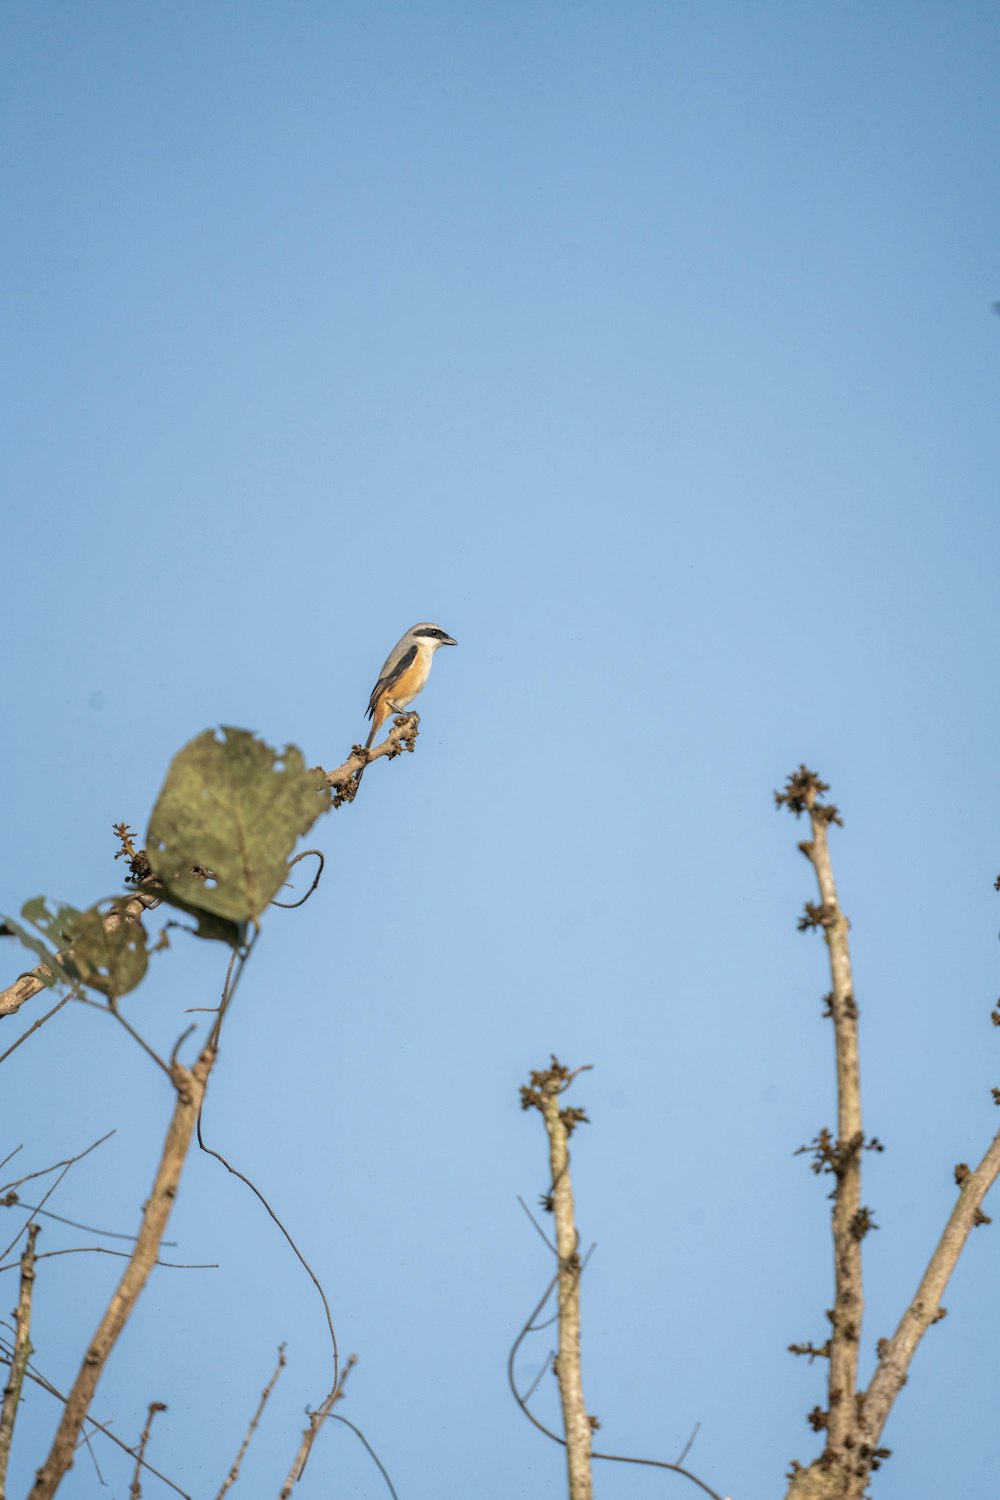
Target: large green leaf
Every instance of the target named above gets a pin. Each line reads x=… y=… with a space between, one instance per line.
x=227 y=819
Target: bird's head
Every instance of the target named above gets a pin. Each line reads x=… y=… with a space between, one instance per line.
x=430 y=636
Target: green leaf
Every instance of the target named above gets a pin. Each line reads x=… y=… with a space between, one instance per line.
x=108 y=950
x=80 y=948
x=53 y=923
x=226 y=822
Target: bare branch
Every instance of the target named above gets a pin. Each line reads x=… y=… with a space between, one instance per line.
x=109 y=1234
x=402 y=736
x=531 y=1097
x=543 y=1094
x=291 y=905
x=190 y=1087
x=40 y=1022
x=803 y=793
x=210 y=1151
x=112 y=1010
x=689 y=1444
x=39 y=1379
x=65 y=1165
x=316 y=1420
x=336 y=1417
x=135 y=1488
x=234 y=1472
x=20 y=1356
x=925 y=1309
x=173 y=1265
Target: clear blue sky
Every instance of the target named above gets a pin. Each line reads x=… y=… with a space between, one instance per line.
x=648 y=348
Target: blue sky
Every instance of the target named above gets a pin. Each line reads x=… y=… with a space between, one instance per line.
x=648 y=349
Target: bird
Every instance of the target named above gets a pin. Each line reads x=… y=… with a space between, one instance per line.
x=403 y=675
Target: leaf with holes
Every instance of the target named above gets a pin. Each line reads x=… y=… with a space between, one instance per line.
x=227 y=819
x=53 y=924
x=108 y=949
x=100 y=947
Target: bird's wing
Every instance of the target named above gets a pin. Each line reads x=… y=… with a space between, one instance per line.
x=390 y=676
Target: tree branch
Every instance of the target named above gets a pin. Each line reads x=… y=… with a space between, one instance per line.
x=190 y=1088
x=402 y=736
x=316 y=1420
x=135 y=1488
x=925 y=1309
x=543 y=1094
x=803 y=793
x=40 y=1022
x=234 y=1472
x=19 y=1359
x=104 y=1430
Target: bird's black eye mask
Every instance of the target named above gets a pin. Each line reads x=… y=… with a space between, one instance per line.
x=435 y=635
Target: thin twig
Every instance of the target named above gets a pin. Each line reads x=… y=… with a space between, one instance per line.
x=105 y=1431
x=291 y=905
x=228 y=990
x=336 y=1417
x=234 y=1472
x=533 y=1387
x=538 y=1226
x=19 y=1359
x=112 y=1010
x=135 y=1489
x=689 y=1444
x=173 y=1265
x=210 y=1151
x=86 y=1443
x=40 y=1022
x=109 y=1234
x=65 y=1165
x=67 y=1161
x=316 y=1420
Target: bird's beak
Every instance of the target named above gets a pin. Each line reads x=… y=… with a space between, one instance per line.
x=448 y=641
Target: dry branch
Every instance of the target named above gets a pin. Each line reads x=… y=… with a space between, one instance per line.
x=40 y=1022
x=10 y=1199
x=848 y=1306
x=854 y=1421
x=316 y=1420
x=234 y=1472
x=925 y=1309
x=20 y=1355
x=189 y=1084
x=135 y=1489
x=401 y=737
x=543 y=1094
x=34 y=1374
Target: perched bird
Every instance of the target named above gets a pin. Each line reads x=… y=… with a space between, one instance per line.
x=406 y=669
